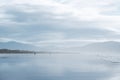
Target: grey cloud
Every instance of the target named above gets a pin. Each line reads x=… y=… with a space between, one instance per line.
x=34 y=25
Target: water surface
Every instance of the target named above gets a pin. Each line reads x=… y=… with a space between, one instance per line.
x=57 y=67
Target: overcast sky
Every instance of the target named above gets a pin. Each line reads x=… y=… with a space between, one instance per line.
x=59 y=21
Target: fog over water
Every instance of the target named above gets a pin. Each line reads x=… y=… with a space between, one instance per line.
x=59 y=67
x=83 y=34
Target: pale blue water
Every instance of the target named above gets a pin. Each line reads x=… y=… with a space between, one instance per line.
x=56 y=67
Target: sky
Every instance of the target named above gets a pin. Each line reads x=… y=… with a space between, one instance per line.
x=59 y=22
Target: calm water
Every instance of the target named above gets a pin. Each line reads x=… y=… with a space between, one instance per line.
x=57 y=67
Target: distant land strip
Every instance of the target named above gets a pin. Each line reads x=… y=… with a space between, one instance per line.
x=9 y=51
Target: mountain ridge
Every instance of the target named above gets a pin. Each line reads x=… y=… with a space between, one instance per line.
x=108 y=47
x=17 y=45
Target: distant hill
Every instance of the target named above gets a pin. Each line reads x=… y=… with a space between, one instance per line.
x=17 y=45
x=102 y=47
x=108 y=47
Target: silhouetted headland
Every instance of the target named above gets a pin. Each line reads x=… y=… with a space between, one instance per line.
x=15 y=51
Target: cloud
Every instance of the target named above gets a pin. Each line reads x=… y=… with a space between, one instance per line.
x=5 y=39
x=114 y=78
x=65 y=20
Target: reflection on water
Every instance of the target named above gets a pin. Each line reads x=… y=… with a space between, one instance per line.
x=56 y=67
